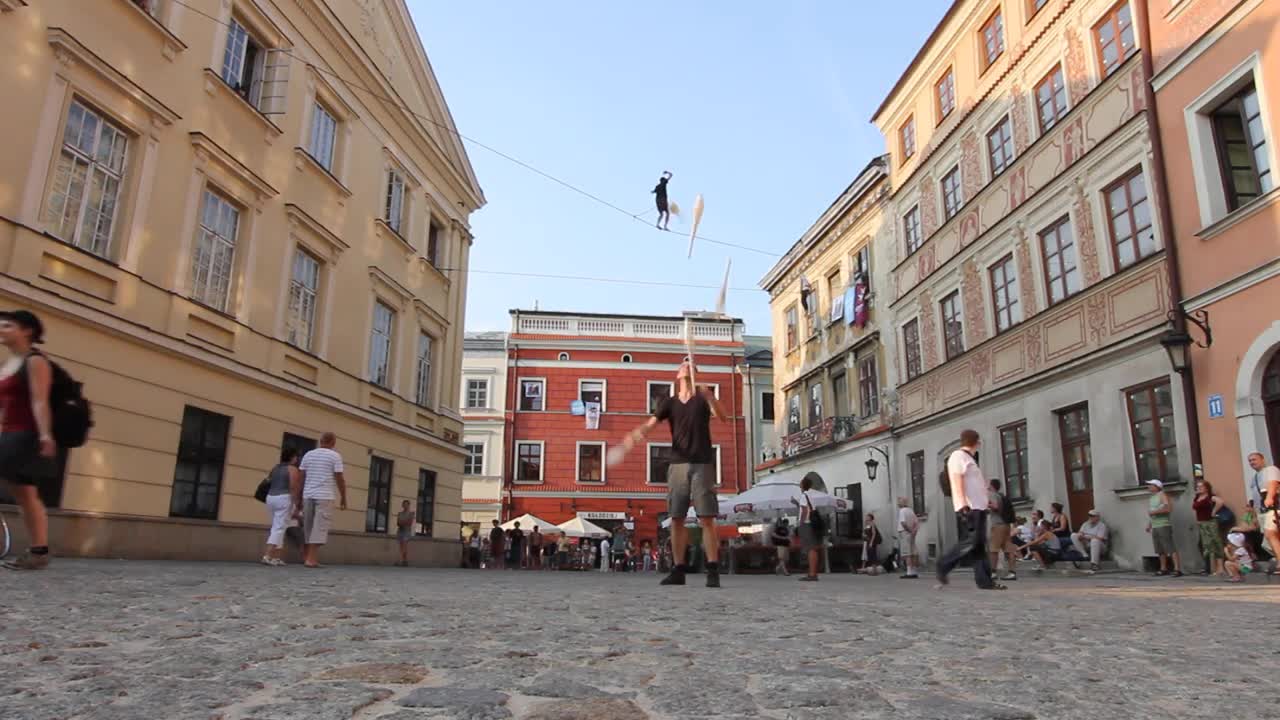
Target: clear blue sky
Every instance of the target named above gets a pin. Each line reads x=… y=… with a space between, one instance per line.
x=764 y=108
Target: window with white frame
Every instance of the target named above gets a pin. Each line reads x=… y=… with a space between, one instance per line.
x=423 y=392
x=477 y=393
x=85 y=195
x=952 y=325
x=590 y=463
x=304 y=286
x=592 y=391
x=868 y=386
x=659 y=463
x=911 y=229
x=1000 y=146
x=473 y=462
x=658 y=391
x=214 y=257
x=393 y=212
x=243 y=62
x=528 y=462
x=324 y=133
x=531 y=394
x=952 y=198
x=380 y=344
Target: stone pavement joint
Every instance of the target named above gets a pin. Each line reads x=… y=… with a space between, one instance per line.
x=115 y=640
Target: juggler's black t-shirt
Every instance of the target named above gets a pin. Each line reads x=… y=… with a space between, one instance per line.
x=690 y=429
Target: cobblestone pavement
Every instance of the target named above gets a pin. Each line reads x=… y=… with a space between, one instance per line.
x=117 y=640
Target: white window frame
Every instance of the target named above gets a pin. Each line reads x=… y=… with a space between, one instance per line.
x=422 y=367
x=562 y=357
x=252 y=94
x=321 y=149
x=484 y=453
x=648 y=389
x=302 y=302
x=210 y=241
x=520 y=390
x=390 y=345
x=95 y=174
x=394 y=208
x=604 y=391
x=577 y=463
x=466 y=401
x=542 y=462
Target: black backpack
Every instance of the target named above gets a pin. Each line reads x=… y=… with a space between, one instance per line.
x=71 y=413
x=1006 y=510
x=945 y=482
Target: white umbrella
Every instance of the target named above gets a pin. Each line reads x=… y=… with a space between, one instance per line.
x=529 y=522
x=577 y=528
x=771 y=497
x=691 y=519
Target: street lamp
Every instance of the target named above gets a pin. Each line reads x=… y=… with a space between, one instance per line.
x=1177 y=341
x=872 y=466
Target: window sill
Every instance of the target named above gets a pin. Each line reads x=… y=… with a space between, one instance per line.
x=213 y=81
x=590 y=483
x=304 y=158
x=382 y=227
x=428 y=266
x=1173 y=488
x=172 y=44
x=526 y=482
x=1239 y=215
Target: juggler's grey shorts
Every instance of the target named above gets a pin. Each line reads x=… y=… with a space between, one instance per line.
x=691 y=484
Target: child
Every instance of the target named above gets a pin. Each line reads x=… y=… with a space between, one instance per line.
x=1239 y=560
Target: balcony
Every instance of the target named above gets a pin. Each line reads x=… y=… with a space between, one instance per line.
x=831 y=431
x=641 y=328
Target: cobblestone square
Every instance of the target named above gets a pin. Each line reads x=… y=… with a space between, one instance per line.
x=118 y=640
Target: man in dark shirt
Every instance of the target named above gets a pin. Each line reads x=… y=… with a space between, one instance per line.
x=515 y=539
x=691 y=475
x=497 y=546
x=660 y=197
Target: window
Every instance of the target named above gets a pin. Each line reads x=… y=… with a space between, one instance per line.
x=300 y=443
x=1242 y=148
x=1033 y=7
x=85 y=193
x=477 y=394
x=324 y=130
x=590 y=462
x=626 y=357
x=394 y=211
x=423 y=380
x=529 y=462
x=869 y=386
x=426 y=501
x=379 y=505
x=1077 y=453
x=659 y=461
x=952 y=325
x=815 y=404
x=907 y=135
x=911 y=229
x=531 y=395
x=1004 y=294
x=1129 y=219
x=1013 y=452
x=911 y=348
x=304 y=285
x=862 y=263
x=793 y=327
x=592 y=391
x=1000 y=146
x=946 y=94
x=1151 y=424
x=835 y=297
x=840 y=395
x=767 y=412
x=473 y=463
x=793 y=413
x=197 y=476
x=242 y=63
x=916 y=463
x=380 y=345
x=1060 y=272
x=1114 y=37
x=562 y=357
x=992 y=40
x=951 y=197
x=433 y=243
x=215 y=251
x=658 y=391
x=1051 y=99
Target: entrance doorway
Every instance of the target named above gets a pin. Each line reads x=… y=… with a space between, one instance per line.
x=1077 y=459
x=1271 y=402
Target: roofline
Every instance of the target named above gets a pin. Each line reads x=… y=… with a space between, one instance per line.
x=928 y=43
x=625 y=316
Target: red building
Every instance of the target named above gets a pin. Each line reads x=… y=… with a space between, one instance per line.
x=561 y=366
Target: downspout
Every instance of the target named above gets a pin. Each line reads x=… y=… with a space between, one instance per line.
x=749 y=424
x=1158 y=176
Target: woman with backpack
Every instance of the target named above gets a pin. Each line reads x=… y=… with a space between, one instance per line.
x=27 y=447
x=812 y=528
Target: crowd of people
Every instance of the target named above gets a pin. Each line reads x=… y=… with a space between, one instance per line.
x=514 y=549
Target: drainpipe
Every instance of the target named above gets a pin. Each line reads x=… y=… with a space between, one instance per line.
x=749 y=424
x=1158 y=176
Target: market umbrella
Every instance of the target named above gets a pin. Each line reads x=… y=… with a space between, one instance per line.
x=529 y=522
x=691 y=519
x=577 y=528
x=772 y=497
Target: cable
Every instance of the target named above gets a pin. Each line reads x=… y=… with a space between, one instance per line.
x=586 y=278
x=510 y=158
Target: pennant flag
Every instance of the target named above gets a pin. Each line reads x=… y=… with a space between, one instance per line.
x=724 y=288
x=697 y=218
x=860 y=303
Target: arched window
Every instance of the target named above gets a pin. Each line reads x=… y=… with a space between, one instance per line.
x=626 y=357
x=564 y=356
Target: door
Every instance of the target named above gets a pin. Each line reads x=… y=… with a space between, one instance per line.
x=1077 y=459
x=1271 y=400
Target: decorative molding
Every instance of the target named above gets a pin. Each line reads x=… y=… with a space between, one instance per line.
x=206 y=150
x=1237 y=284
x=299 y=218
x=68 y=50
x=303 y=159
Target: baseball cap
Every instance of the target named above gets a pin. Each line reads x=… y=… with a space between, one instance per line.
x=1094 y=513
x=1157 y=483
x=28 y=320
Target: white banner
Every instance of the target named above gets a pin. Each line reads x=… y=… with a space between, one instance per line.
x=602 y=515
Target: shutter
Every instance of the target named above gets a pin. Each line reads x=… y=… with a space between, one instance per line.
x=275 y=82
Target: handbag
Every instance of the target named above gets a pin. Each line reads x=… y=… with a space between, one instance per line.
x=1225 y=517
x=263 y=488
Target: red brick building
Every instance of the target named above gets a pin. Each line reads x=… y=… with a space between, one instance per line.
x=560 y=364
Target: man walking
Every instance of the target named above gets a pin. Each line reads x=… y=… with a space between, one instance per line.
x=1266 y=483
x=908 y=527
x=1161 y=529
x=1094 y=533
x=691 y=474
x=497 y=547
x=660 y=199
x=781 y=538
x=969 y=497
x=322 y=482
x=1001 y=519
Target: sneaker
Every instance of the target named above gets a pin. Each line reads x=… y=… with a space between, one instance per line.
x=1160 y=573
x=1009 y=577
x=28 y=561
x=277 y=562
x=266 y=560
x=676 y=577
x=713 y=577
x=1094 y=567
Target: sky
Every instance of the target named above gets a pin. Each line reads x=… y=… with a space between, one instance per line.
x=762 y=107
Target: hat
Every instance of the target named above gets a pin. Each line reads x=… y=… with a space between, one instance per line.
x=28 y=320
x=1094 y=513
x=1159 y=485
x=1236 y=538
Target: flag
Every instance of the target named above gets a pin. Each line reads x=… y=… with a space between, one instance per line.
x=593 y=416
x=697 y=218
x=806 y=294
x=724 y=288
x=860 y=303
x=851 y=303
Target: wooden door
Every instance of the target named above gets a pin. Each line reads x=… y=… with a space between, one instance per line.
x=1271 y=400
x=1077 y=459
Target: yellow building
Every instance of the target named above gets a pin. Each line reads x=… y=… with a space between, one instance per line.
x=244 y=223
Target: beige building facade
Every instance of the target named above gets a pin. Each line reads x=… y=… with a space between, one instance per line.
x=244 y=222
x=484 y=408
x=1029 y=284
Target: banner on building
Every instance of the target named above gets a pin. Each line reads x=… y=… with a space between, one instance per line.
x=860 y=303
x=593 y=416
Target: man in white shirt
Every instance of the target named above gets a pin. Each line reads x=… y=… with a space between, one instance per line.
x=1267 y=484
x=908 y=526
x=605 y=555
x=1094 y=532
x=322 y=481
x=970 y=498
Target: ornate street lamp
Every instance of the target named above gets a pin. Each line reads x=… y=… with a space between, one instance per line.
x=872 y=466
x=1177 y=341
